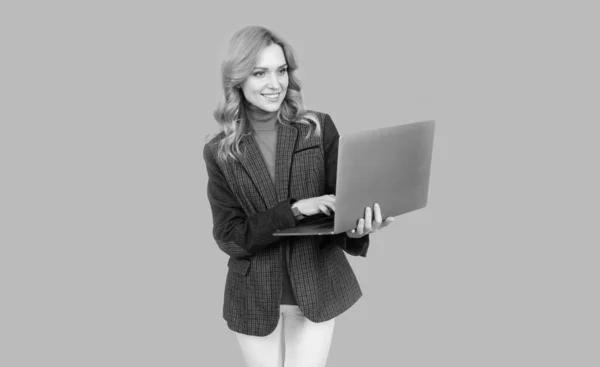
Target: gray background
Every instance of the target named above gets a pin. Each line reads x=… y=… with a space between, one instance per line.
x=107 y=257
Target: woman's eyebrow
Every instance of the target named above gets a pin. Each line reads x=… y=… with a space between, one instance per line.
x=263 y=68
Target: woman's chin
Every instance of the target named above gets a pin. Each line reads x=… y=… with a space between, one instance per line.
x=270 y=107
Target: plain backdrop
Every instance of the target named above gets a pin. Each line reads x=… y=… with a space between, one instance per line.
x=107 y=256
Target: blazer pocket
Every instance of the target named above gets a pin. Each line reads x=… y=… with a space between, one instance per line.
x=306 y=148
x=239 y=265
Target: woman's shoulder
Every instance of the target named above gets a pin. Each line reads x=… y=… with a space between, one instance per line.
x=323 y=117
x=211 y=143
x=319 y=114
x=214 y=138
x=325 y=120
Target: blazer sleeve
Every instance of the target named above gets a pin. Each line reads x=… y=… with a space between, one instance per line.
x=237 y=234
x=352 y=246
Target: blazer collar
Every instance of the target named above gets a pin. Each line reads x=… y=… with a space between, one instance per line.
x=254 y=164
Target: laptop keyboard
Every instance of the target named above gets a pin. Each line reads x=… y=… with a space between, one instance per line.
x=317 y=219
x=323 y=225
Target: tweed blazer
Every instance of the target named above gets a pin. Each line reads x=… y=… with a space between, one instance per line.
x=247 y=208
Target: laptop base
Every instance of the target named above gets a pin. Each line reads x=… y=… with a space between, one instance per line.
x=310 y=227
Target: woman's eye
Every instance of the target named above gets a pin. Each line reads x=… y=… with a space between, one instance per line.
x=259 y=73
x=282 y=71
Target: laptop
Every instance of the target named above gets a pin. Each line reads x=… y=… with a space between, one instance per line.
x=389 y=166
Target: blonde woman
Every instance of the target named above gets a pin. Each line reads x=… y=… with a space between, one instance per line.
x=272 y=164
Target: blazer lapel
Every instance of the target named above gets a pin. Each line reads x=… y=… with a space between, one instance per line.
x=253 y=163
x=286 y=142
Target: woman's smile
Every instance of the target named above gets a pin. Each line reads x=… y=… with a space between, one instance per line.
x=271 y=97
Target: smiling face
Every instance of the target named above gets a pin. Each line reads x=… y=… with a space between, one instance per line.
x=267 y=85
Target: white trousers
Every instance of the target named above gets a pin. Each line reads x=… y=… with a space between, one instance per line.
x=295 y=342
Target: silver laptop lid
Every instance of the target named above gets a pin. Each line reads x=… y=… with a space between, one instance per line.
x=389 y=166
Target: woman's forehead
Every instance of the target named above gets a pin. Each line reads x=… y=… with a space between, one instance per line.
x=271 y=57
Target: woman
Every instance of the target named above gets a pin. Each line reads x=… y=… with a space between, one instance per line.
x=272 y=164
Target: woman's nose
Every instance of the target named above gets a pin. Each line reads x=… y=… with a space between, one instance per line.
x=273 y=81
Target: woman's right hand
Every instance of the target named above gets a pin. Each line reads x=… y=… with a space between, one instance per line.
x=320 y=204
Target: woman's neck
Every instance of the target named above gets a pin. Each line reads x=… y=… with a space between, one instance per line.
x=259 y=117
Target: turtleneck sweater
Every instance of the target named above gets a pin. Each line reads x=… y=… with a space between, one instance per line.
x=264 y=125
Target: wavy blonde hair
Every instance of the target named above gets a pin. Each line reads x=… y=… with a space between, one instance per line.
x=244 y=48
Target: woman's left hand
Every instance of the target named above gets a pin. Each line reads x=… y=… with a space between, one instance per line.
x=367 y=225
